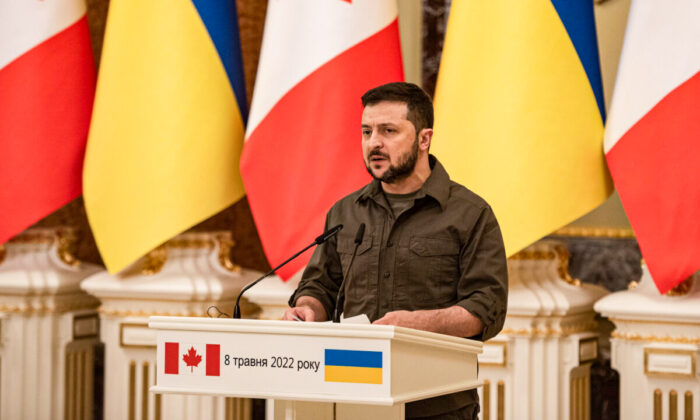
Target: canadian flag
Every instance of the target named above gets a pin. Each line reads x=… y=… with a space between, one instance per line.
x=303 y=150
x=192 y=359
x=652 y=139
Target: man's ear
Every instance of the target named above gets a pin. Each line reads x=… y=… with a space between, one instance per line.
x=424 y=138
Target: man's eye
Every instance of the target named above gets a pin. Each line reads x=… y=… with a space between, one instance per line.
x=366 y=132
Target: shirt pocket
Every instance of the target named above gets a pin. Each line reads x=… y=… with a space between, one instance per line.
x=433 y=270
x=357 y=285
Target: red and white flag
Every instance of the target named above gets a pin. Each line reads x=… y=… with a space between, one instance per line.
x=192 y=359
x=47 y=84
x=303 y=142
x=652 y=139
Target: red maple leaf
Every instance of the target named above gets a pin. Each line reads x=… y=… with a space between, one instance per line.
x=191 y=358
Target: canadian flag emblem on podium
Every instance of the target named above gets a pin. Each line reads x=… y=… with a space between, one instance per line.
x=192 y=359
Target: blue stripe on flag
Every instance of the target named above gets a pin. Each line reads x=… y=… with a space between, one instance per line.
x=579 y=21
x=220 y=17
x=355 y=358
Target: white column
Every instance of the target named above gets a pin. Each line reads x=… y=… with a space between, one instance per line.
x=537 y=367
x=655 y=349
x=49 y=328
x=183 y=277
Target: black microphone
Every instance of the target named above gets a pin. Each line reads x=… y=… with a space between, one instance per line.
x=358 y=240
x=318 y=241
x=327 y=234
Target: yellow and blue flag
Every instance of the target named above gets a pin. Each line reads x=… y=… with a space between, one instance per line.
x=168 y=124
x=520 y=111
x=354 y=366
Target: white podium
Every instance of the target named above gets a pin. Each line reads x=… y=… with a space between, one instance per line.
x=371 y=370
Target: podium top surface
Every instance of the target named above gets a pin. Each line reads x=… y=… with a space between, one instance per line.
x=325 y=329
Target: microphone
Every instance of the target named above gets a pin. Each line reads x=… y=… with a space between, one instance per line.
x=318 y=241
x=327 y=234
x=358 y=240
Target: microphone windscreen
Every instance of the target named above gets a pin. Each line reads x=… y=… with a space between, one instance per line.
x=328 y=234
x=360 y=234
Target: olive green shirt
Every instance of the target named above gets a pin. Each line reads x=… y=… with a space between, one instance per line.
x=446 y=249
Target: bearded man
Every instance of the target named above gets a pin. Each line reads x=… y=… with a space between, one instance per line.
x=432 y=257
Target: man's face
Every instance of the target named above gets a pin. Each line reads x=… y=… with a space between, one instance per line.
x=389 y=141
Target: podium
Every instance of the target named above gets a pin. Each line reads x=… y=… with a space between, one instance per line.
x=322 y=369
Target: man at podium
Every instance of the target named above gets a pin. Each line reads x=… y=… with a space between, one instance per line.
x=431 y=256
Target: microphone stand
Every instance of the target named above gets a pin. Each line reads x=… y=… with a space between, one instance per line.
x=321 y=239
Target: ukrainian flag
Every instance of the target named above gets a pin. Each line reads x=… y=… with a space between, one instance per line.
x=520 y=111
x=355 y=366
x=168 y=123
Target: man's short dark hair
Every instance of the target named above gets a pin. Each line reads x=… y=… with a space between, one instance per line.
x=420 y=106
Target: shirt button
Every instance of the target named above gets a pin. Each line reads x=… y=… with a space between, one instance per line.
x=386 y=274
x=389 y=244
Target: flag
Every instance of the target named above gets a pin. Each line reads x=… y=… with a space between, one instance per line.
x=519 y=112
x=167 y=129
x=652 y=140
x=303 y=143
x=190 y=358
x=47 y=84
x=353 y=366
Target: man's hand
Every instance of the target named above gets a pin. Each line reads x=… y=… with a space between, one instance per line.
x=454 y=320
x=307 y=309
x=408 y=319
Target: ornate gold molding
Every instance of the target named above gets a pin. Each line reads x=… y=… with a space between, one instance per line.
x=682 y=289
x=552 y=332
x=66 y=247
x=155 y=260
x=559 y=253
x=654 y=338
x=590 y=232
x=3 y=253
x=563 y=267
x=83 y=302
x=527 y=254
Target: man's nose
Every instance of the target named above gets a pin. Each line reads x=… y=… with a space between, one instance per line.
x=375 y=141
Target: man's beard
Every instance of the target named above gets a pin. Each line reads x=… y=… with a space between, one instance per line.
x=404 y=168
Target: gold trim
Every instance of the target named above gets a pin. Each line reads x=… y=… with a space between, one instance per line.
x=154 y=261
x=132 y=390
x=682 y=288
x=564 y=255
x=487 y=400
x=65 y=248
x=587 y=340
x=597 y=232
x=654 y=338
x=3 y=253
x=657 y=404
x=225 y=244
x=688 y=412
x=528 y=254
x=673 y=405
x=144 y=391
x=589 y=325
x=690 y=353
x=77 y=318
x=132 y=346
x=501 y=411
x=157 y=407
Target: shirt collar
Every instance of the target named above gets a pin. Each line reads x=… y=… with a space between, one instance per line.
x=437 y=185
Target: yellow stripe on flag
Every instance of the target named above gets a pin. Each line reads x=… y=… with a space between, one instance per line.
x=358 y=375
x=166 y=134
x=516 y=119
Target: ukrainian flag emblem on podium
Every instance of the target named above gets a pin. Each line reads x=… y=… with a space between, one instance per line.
x=354 y=366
